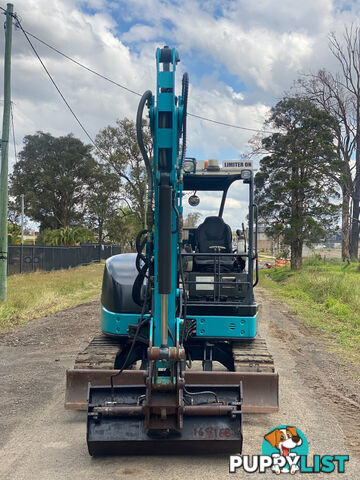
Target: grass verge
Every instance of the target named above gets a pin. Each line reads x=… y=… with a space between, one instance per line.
x=33 y=295
x=326 y=295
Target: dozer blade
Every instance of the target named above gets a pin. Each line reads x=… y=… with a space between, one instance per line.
x=260 y=389
x=121 y=430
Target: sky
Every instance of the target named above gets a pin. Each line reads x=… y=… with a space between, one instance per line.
x=241 y=56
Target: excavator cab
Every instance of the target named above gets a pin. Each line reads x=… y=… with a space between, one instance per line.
x=219 y=273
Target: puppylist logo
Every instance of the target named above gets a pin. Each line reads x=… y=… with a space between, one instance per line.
x=285 y=450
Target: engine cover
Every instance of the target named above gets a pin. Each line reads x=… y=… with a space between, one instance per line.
x=119 y=276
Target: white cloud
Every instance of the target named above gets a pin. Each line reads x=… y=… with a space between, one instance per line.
x=89 y=39
x=236 y=205
x=263 y=44
x=251 y=39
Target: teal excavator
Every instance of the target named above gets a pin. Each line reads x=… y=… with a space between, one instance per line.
x=179 y=359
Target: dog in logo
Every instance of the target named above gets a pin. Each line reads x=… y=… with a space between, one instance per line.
x=284 y=439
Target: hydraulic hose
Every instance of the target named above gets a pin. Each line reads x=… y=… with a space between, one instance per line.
x=185 y=93
x=146 y=98
x=142 y=269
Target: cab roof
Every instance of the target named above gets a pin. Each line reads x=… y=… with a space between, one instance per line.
x=210 y=181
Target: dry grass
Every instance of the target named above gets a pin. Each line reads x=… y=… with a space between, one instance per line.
x=33 y=295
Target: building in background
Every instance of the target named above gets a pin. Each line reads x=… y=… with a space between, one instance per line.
x=266 y=243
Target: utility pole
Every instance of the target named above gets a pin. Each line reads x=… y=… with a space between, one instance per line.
x=22 y=218
x=4 y=155
x=22 y=234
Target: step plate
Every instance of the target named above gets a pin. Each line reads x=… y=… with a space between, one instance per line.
x=203 y=434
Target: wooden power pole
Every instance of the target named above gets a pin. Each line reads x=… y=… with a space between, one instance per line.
x=4 y=155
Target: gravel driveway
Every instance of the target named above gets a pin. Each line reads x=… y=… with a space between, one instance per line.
x=319 y=393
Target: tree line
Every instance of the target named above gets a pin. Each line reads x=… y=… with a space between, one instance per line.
x=76 y=196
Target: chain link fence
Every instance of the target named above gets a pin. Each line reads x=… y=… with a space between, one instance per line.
x=29 y=258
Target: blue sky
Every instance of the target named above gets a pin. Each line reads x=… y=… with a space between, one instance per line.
x=241 y=57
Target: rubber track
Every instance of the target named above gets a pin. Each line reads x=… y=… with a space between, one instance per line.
x=101 y=353
x=252 y=356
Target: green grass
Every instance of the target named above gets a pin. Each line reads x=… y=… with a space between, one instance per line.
x=326 y=294
x=33 y=295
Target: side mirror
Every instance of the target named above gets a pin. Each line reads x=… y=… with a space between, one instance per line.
x=194 y=201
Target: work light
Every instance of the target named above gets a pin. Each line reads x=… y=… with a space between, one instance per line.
x=245 y=174
x=189 y=165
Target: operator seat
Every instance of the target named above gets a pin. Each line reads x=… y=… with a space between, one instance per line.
x=213 y=232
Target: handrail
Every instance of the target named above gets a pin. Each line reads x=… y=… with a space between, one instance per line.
x=256 y=246
x=217 y=284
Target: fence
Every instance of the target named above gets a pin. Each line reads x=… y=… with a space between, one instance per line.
x=30 y=258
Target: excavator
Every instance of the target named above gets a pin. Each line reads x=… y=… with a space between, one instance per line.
x=179 y=359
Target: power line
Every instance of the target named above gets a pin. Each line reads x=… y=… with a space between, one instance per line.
x=18 y=24
x=133 y=91
x=217 y=122
x=229 y=124
x=84 y=66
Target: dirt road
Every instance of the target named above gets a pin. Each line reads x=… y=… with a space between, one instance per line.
x=40 y=440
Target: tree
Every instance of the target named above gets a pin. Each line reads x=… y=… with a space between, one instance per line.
x=65 y=236
x=327 y=92
x=14 y=209
x=123 y=228
x=192 y=219
x=293 y=186
x=102 y=200
x=348 y=56
x=122 y=155
x=52 y=173
x=339 y=95
x=14 y=232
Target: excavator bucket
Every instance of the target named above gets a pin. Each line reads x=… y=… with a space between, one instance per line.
x=260 y=389
x=118 y=425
